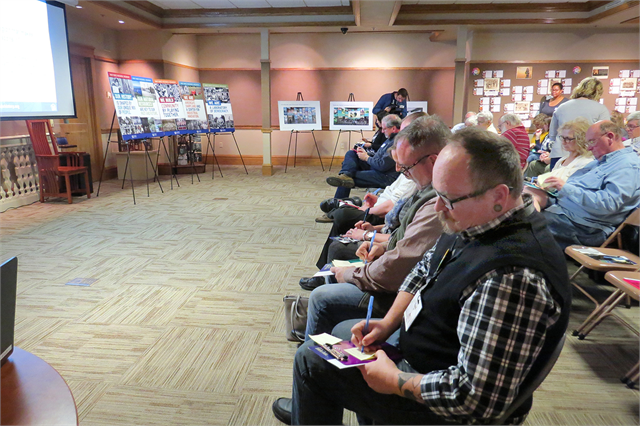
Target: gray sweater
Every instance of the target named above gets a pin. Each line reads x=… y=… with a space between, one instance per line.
x=592 y=111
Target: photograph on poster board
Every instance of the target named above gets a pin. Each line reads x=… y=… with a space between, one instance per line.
x=416 y=106
x=628 y=83
x=126 y=106
x=193 y=100
x=171 y=107
x=524 y=72
x=219 y=112
x=600 y=72
x=148 y=106
x=299 y=115
x=522 y=107
x=350 y=116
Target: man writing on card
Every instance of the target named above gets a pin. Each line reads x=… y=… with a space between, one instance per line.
x=473 y=315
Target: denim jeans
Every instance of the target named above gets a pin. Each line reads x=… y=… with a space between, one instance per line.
x=321 y=392
x=567 y=233
x=362 y=175
x=331 y=304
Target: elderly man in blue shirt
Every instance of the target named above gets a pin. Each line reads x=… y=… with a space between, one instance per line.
x=597 y=198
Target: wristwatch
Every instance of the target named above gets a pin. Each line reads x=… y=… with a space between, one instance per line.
x=368 y=236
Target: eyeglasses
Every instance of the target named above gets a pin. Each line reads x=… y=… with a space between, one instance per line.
x=631 y=127
x=405 y=169
x=449 y=203
x=566 y=139
x=592 y=142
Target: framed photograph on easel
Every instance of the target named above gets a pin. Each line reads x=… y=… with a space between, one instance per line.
x=351 y=116
x=416 y=106
x=299 y=115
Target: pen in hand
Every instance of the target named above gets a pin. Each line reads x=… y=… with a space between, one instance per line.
x=373 y=237
x=366 y=325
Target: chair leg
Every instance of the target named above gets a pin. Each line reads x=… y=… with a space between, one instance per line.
x=41 y=187
x=605 y=313
x=86 y=184
x=68 y=182
x=596 y=312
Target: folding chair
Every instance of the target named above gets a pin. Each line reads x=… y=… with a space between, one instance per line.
x=596 y=265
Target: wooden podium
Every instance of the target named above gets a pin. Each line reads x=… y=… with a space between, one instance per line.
x=34 y=393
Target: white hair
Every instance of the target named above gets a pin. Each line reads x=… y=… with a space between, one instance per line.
x=484 y=117
x=633 y=116
x=512 y=119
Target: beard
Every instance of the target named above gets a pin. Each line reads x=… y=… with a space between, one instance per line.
x=448 y=224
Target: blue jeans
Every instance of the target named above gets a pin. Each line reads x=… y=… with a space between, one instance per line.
x=568 y=233
x=321 y=392
x=331 y=304
x=362 y=175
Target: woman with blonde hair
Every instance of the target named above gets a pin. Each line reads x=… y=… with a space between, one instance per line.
x=584 y=103
x=573 y=136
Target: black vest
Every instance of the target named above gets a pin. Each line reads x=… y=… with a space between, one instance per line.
x=432 y=343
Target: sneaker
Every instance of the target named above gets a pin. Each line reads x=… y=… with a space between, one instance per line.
x=324 y=219
x=341 y=180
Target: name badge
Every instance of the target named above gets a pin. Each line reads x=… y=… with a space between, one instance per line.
x=412 y=311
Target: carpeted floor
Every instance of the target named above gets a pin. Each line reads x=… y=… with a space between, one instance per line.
x=184 y=325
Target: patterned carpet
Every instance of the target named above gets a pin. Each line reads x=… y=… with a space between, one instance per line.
x=184 y=325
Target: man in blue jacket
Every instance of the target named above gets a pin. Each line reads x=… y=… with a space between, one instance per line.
x=393 y=103
x=364 y=171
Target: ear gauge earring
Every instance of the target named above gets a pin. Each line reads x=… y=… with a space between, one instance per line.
x=497 y=208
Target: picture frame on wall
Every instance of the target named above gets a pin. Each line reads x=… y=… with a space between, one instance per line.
x=299 y=115
x=600 y=72
x=416 y=106
x=350 y=116
x=524 y=72
x=628 y=84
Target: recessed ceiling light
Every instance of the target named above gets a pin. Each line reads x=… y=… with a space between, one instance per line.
x=121 y=22
x=78 y=7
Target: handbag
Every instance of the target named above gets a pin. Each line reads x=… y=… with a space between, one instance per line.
x=295 y=315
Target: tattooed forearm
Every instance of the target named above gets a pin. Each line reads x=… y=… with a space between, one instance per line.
x=409 y=386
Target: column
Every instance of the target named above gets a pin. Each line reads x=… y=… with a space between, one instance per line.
x=461 y=76
x=265 y=83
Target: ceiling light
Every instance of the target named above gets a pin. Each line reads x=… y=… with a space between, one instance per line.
x=78 y=7
x=121 y=22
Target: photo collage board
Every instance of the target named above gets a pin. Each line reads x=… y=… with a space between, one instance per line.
x=149 y=108
x=519 y=89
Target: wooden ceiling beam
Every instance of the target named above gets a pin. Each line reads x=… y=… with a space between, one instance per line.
x=112 y=6
x=502 y=7
x=442 y=22
x=269 y=11
x=613 y=11
x=149 y=8
x=355 y=5
x=261 y=25
x=394 y=14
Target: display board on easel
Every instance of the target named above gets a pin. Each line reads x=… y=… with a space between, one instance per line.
x=416 y=106
x=351 y=116
x=219 y=111
x=299 y=115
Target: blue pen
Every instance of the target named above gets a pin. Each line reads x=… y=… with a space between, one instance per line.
x=366 y=213
x=373 y=238
x=366 y=326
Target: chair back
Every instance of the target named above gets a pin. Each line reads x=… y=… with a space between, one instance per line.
x=40 y=132
x=533 y=381
x=632 y=219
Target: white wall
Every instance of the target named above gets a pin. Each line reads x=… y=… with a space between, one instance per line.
x=181 y=49
x=559 y=46
x=104 y=40
x=229 y=51
x=359 y=50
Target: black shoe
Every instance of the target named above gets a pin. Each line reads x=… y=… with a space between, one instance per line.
x=282 y=410
x=341 y=180
x=333 y=203
x=311 y=283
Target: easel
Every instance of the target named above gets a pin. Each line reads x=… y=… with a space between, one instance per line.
x=233 y=134
x=350 y=99
x=300 y=98
x=213 y=152
x=166 y=152
x=146 y=149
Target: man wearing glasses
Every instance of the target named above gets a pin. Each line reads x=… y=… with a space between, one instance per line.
x=473 y=316
x=364 y=171
x=597 y=198
x=633 y=129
